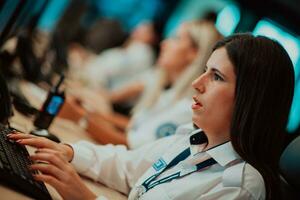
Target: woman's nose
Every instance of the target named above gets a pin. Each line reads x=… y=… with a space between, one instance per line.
x=199 y=84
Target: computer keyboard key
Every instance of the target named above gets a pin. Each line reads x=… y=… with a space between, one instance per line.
x=14 y=168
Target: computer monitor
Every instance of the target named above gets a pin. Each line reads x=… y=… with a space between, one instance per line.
x=8 y=14
x=291 y=42
x=228 y=19
x=17 y=14
x=53 y=13
x=29 y=15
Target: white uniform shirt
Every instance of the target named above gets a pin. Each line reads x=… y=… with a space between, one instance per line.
x=160 y=121
x=117 y=67
x=125 y=170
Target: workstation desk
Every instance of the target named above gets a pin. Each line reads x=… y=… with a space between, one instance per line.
x=68 y=132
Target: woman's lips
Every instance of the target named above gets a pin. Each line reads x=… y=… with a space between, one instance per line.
x=196 y=105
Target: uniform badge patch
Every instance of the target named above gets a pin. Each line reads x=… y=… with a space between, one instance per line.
x=160 y=164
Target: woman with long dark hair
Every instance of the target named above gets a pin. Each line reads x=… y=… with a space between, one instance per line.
x=241 y=109
x=263 y=94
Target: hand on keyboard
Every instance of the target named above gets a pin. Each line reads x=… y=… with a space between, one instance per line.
x=60 y=174
x=14 y=168
x=53 y=163
x=41 y=142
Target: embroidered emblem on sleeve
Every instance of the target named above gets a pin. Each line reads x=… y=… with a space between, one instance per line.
x=165 y=130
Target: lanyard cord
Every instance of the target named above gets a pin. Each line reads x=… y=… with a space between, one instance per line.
x=149 y=183
x=183 y=155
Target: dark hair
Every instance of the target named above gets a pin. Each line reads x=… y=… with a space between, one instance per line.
x=263 y=96
x=5 y=102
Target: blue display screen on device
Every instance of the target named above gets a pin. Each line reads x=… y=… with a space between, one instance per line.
x=54 y=105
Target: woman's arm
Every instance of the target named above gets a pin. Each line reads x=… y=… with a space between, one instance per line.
x=112 y=165
x=115 y=165
x=126 y=93
x=118 y=120
x=105 y=132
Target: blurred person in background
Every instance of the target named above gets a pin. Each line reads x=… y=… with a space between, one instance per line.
x=114 y=67
x=110 y=77
x=162 y=107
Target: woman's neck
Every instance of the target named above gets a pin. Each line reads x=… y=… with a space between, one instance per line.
x=173 y=76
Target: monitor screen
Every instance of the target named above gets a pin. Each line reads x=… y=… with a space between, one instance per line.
x=228 y=19
x=52 y=14
x=17 y=14
x=31 y=9
x=8 y=13
x=291 y=43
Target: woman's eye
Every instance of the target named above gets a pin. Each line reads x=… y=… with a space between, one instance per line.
x=217 y=77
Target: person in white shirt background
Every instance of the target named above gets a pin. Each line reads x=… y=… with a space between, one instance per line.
x=160 y=111
x=114 y=67
x=234 y=155
x=182 y=46
x=101 y=80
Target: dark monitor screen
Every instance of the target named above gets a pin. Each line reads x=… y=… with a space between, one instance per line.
x=8 y=14
x=17 y=14
x=31 y=10
x=291 y=43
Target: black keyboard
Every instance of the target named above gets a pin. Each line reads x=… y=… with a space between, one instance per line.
x=14 y=171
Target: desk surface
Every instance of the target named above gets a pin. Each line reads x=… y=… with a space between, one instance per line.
x=67 y=132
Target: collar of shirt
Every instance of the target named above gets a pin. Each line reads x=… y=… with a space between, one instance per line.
x=224 y=153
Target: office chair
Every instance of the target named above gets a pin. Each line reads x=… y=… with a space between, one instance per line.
x=290 y=170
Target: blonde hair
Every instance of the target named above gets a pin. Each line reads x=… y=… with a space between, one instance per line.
x=204 y=35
